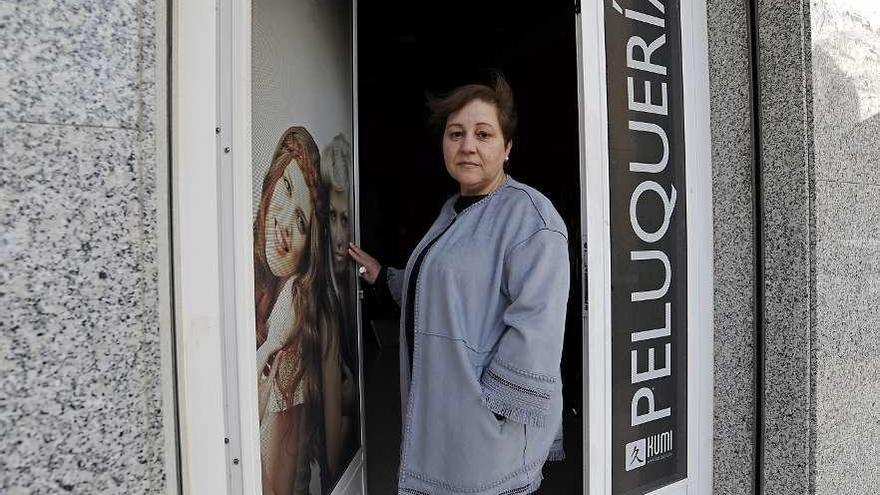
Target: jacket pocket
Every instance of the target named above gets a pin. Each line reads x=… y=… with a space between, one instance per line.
x=481 y=362
x=453 y=437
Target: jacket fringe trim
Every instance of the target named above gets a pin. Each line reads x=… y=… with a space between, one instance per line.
x=556 y=455
x=522 y=490
x=515 y=401
x=526 y=490
x=513 y=412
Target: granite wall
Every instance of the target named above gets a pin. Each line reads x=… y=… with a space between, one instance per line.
x=733 y=204
x=845 y=42
x=820 y=122
x=787 y=219
x=83 y=344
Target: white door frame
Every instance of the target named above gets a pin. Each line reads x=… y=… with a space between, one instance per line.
x=596 y=225
x=701 y=334
x=196 y=241
x=200 y=191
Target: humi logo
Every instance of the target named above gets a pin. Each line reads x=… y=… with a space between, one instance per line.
x=647 y=450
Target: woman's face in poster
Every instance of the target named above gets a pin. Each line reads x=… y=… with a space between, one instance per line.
x=339 y=230
x=288 y=221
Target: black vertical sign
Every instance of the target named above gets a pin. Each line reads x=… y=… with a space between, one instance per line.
x=648 y=245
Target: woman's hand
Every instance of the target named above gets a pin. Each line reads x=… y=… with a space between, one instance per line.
x=264 y=390
x=363 y=259
x=280 y=332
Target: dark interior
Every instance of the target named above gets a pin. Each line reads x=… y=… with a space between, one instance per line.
x=405 y=50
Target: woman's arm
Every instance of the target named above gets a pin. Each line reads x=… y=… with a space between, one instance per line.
x=332 y=383
x=264 y=389
x=280 y=331
x=279 y=442
x=394 y=283
x=523 y=375
x=264 y=352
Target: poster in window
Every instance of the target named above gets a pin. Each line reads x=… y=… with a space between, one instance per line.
x=306 y=330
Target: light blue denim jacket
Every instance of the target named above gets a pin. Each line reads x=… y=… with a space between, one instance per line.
x=490 y=304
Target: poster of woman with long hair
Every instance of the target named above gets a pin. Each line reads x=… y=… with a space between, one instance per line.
x=305 y=360
x=305 y=318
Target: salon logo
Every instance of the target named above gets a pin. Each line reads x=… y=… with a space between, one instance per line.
x=635 y=454
x=647 y=450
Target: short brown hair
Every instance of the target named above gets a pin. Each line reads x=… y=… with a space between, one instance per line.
x=499 y=94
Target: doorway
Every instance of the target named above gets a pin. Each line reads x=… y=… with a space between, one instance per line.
x=401 y=54
x=408 y=49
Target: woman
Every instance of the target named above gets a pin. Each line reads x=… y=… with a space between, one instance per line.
x=336 y=162
x=483 y=301
x=297 y=358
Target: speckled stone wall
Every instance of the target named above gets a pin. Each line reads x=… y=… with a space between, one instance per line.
x=80 y=357
x=787 y=261
x=733 y=199
x=845 y=42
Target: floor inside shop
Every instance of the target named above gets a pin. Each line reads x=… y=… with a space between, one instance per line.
x=406 y=49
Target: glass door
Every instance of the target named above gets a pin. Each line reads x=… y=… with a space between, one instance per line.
x=270 y=377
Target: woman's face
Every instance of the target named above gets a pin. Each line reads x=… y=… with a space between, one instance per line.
x=473 y=147
x=339 y=230
x=288 y=220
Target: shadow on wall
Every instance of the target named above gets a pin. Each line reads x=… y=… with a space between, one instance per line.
x=835 y=111
x=846 y=90
x=841 y=136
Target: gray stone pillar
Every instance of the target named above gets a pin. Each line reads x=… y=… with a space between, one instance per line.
x=787 y=219
x=83 y=408
x=730 y=75
x=819 y=64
